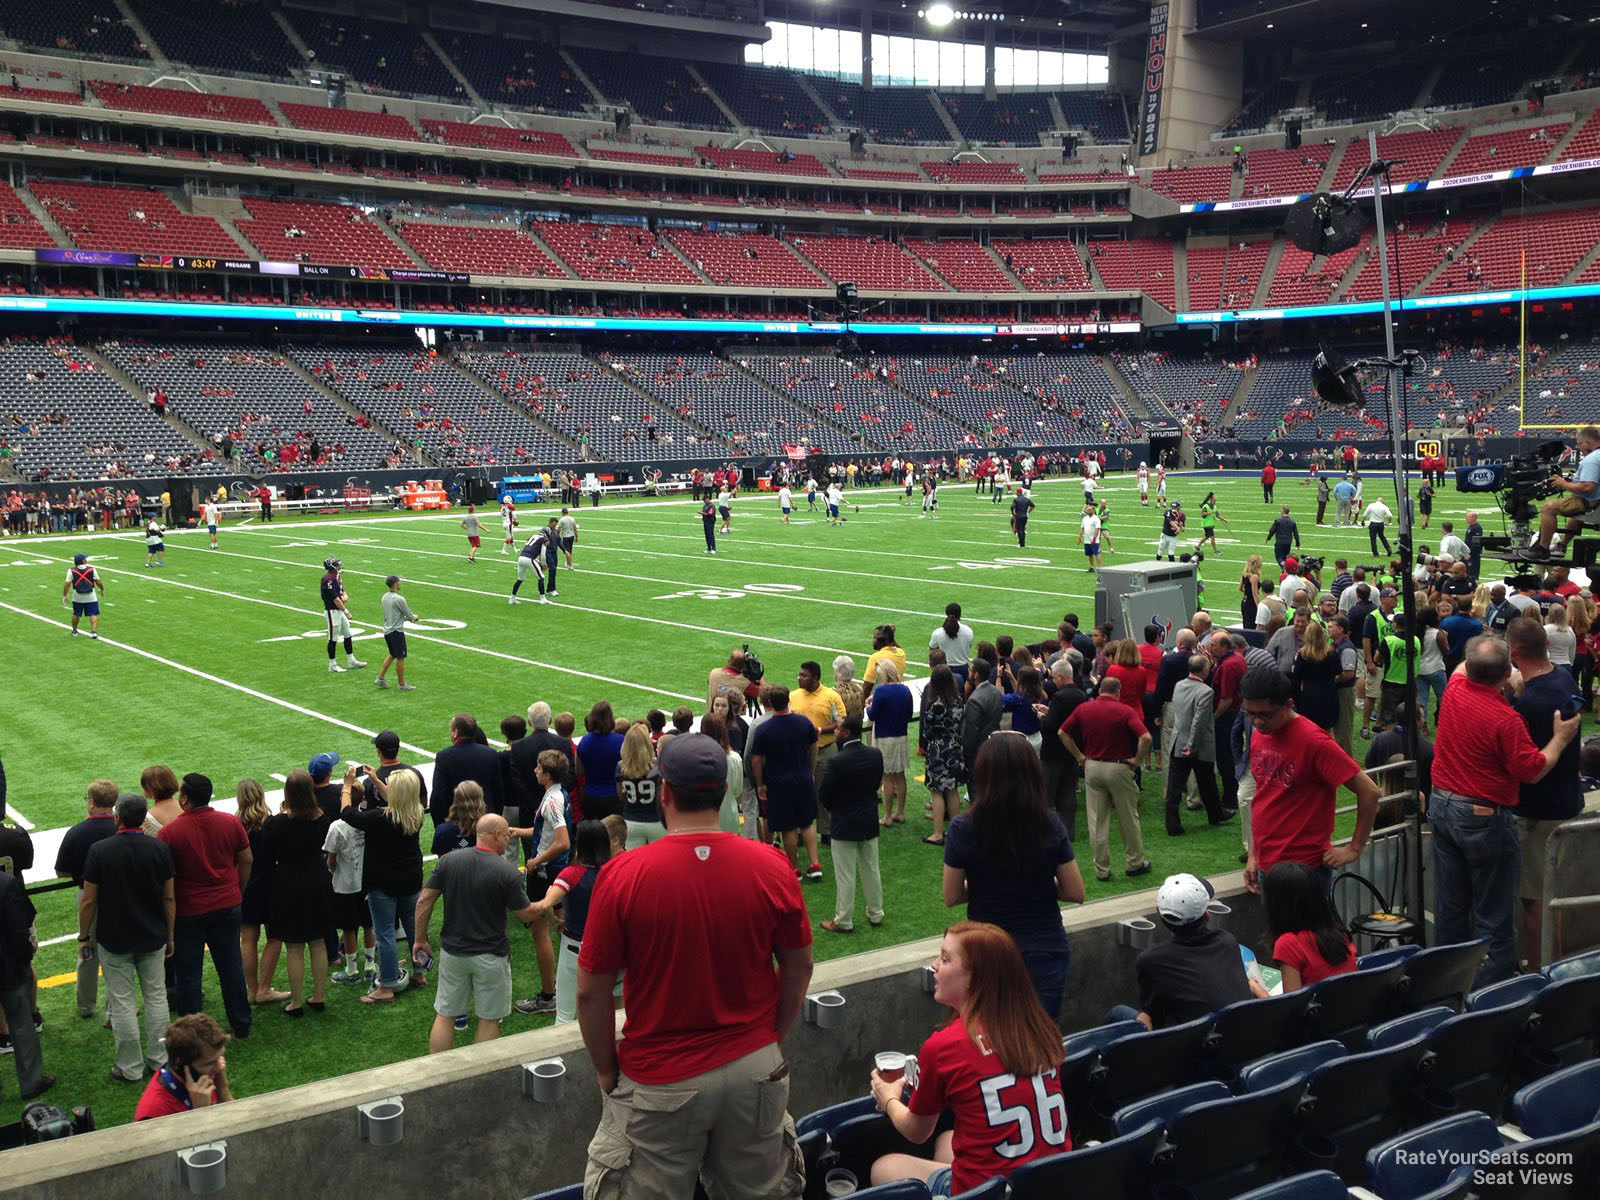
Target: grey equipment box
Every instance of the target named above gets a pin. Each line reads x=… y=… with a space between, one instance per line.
x=1133 y=595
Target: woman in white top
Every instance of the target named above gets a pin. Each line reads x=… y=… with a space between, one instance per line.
x=955 y=639
x=1558 y=633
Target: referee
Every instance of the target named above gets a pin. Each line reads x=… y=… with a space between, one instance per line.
x=396 y=612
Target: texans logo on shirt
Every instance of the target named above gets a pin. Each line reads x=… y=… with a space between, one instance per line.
x=702 y=852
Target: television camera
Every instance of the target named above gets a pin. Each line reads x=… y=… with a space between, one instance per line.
x=1520 y=484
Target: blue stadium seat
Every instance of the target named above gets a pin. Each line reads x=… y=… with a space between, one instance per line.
x=1422 y=1162
x=1250 y=1029
x=1349 y=1104
x=1289 y=1065
x=901 y=1189
x=1344 y=1006
x=1313 y=1185
x=813 y=1146
x=1571 y=968
x=570 y=1192
x=860 y=1141
x=1077 y=1075
x=1440 y=975
x=1165 y=1107
x=1216 y=1150
x=1564 y=1166
x=993 y=1189
x=1110 y=1170
x=1143 y=1064
x=1403 y=1029
x=1559 y=1103
x=1508 y=991
x=1385 y=957
x=1472 y=1056
x=1099 y=1036
x=1565 y=1025
x=828 y=1119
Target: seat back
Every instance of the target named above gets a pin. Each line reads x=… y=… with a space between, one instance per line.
x=993 y=1189
x=1099 y=1036
x=1357 y=1101
x=1312 y=1185
x=1440 y=975
x=1577 y=964
x=1221 y=1148
x=1559 y=1103
x=1251 y=1028
x=828 y=1119
x=1564 y=1166
x=1386 y=957
x=1403 y=1029
x=1165 y=1107
x=1471 y=1056
x=1508 y=991
x=1343 y=1006
x=1421 y=1160
x=1291 y=1065
x=1566 y=1020
x=901 y=1189
x=858 y=1142
x=1131 y=1068
x=1111 y=1170
x=573 y=1191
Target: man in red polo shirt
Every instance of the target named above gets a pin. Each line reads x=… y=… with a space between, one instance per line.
x=1298 y=771
x=1269 y=476
x=211 y=863
x=694 y=922
x=1108 y=739
x=1481 y=757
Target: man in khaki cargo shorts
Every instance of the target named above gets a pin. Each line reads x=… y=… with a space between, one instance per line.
x=698 y=1087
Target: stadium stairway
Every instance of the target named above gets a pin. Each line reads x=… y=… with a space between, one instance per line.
x=1000 y=265
x=42 y=215
x=449 y=64
x=127 y=382
x=1445 y=264
x=732 y=355
x=1247 y=380
x=655 y=402
x=354 y=412
x=1269 y=271
x=1180 y=274
x=393 y=235
x=1127 y=394
x=293 y=35
x=1583 y=265
x=522 y=411
x=732 y=117
x=578 y=73
x=137 y=28
x=804 y=83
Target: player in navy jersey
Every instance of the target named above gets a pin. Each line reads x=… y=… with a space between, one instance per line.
x=708 y=518
x=338 y=613
x=532 y=559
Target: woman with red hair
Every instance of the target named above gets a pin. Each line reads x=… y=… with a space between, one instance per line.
x=995 y=1065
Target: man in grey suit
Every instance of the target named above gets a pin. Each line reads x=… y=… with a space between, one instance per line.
x=1192 y=746
x=982 y=714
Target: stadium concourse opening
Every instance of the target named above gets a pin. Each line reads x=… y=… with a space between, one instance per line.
x=795 y=371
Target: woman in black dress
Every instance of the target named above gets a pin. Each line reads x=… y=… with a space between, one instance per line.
x=1250 y=591
x=253 y=814
x=1316 y=678
x=302 y=888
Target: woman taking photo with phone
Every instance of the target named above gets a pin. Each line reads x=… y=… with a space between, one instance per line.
x=999 y=1054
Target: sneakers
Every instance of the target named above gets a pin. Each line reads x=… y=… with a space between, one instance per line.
x=334 y=668
x=552 y=592
x=117 y=1076
x=544 y=599
x=348 y=975
x=814 y=873
x=5 y=1044
x=461 y=1022
x=513 y=600
x=408 y=687
x=536 y=1004
x=380 y=681
x=353 y=663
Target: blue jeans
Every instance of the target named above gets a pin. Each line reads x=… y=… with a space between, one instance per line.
x=384 y=908
x=1120 y=1012
x=1433 y=681
x=220 y=931
x=1477 y=872
x=1048 y=970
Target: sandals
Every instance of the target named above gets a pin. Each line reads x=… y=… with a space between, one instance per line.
x=930 y=840
x=374 y=998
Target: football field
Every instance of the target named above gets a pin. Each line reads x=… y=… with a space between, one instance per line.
x=216 y=663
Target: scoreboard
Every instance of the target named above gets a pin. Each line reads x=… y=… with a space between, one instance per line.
x=242 y=266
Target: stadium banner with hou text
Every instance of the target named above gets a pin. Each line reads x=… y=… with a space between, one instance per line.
x=1155 y=78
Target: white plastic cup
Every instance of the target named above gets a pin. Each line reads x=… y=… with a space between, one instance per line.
x=840 y=1182
x=891 y=1065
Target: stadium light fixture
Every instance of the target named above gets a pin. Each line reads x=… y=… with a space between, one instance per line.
x=940 y=15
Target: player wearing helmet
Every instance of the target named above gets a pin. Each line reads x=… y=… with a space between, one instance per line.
x=333 y=601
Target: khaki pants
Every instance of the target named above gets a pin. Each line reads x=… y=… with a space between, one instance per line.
x=848 y=859
x=730 y=1124
x=1247 y=794
x=130 y=980
x=1109 y=789
x=1345 y=724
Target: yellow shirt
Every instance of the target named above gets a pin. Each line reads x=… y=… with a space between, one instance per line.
x=822 y=708
x=892 y=654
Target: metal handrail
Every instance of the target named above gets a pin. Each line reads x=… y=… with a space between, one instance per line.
x=1552 y=902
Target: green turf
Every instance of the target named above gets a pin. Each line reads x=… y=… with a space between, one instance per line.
x=640 y=623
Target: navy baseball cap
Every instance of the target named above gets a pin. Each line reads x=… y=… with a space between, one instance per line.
x=80 y=559
x=694 y=760
x=322 y=765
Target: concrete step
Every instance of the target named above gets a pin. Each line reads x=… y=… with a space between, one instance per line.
x=522 y=411
x=353 y=411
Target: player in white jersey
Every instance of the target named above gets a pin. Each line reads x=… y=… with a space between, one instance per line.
x=785 y=502
x=1161 y=483
x=155 y=548
x=835 y=495
x=508 y=522
x=1002 y=481
x=811 y=495
x=930 y=495
x=567 y=533
x=1144 y=483
x=911 y=480
x=211 y=514
x=473 y=524
x=725 y=508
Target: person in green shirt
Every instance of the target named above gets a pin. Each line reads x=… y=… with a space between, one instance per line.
x=1393 y=650
x=1209 y=516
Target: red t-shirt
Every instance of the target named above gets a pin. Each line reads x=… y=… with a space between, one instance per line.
x=1299 y=950
x=1297 y=770
x=1135 y=683
x=1105 y=729
x=204 y=845
x=159 y=1101
x=694 y=921
x=1150 y=656
x=1001 y=1121
x=1483 y=749
x=1269 y=474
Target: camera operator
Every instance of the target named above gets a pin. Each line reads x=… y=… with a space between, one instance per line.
x=1578 y=496
x=732 y=678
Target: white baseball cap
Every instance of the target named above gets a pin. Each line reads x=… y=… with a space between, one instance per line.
x=1183 y=898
